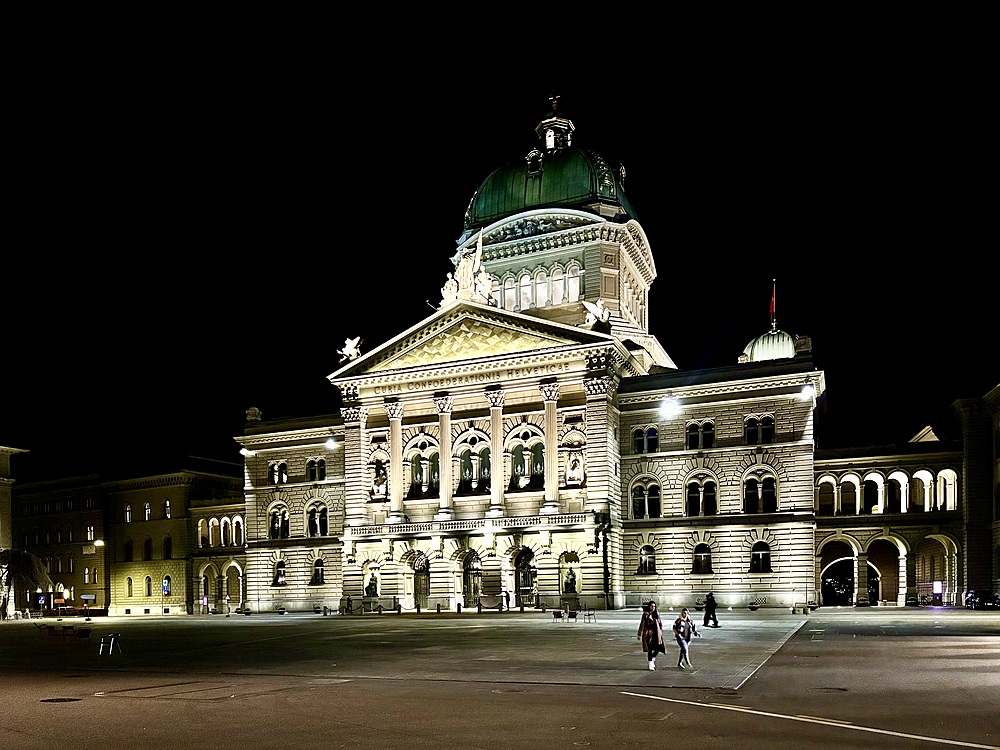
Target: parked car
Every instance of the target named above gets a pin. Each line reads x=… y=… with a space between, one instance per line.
x=982 y=600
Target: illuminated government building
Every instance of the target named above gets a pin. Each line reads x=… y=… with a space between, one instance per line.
x=531 y=436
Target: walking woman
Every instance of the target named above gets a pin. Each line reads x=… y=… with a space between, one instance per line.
x=651 y=633
x=683 y=630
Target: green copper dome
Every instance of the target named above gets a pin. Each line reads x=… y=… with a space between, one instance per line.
x=774 y=344
x=554 y=174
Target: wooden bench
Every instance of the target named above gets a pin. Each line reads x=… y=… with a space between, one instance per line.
x=557 y=615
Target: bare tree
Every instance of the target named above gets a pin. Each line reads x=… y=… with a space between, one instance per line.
x=20 y=571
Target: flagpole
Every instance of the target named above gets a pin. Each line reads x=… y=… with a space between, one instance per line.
x=774 y=289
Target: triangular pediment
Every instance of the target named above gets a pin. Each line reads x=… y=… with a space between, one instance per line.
x=468 y=331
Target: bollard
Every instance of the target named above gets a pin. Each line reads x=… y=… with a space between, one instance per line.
x=458 y=607
x=439 y=607
x=479 y=608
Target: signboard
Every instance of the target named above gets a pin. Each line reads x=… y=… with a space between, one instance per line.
x=60 y=601
x=88 y=597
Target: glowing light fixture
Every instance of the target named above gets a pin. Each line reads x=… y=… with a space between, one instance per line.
x=244 y=451
x=331 y=443
x=808 y=393
x=670 y=407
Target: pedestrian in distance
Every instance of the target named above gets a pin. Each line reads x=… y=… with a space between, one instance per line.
x=651 y=634
x=506 y=600
x=710 y=611
x=684 y=629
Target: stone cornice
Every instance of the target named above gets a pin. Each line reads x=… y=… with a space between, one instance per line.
x=737 y=389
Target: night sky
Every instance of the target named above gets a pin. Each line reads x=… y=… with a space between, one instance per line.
x=205 y=242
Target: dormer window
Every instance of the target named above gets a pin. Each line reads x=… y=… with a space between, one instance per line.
x=534 y=160
x=550 y=139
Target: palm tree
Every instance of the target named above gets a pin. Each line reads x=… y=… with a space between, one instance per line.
x=20 y=571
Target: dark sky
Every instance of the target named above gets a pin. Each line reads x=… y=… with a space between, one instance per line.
x=205 y=242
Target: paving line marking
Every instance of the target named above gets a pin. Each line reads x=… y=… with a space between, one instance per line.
x=809 y=720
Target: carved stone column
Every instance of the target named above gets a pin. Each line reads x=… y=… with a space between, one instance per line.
x=396 y=476
x=550 y=393
x=497 y=483
x=603 y=492
x=861 y=581
x=444 y=405
x=355 y=461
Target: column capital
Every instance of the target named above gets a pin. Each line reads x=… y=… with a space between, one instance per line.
x=602 y=385
x=444 y=404
x=550 y=391
x=495 y=397
x=394 y=409
x=355 y=414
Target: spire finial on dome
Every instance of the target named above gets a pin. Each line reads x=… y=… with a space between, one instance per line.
x=554 y=100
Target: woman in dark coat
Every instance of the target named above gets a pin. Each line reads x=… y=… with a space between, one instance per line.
x=651 y=634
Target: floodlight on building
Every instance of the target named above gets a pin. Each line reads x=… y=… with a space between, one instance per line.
x=808 y=392
x=332 y=443
x=244 y=451
x=98 y=542
x=670 y=407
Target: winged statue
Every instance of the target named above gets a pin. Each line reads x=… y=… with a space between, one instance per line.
x=596 y=312
x=351 y=350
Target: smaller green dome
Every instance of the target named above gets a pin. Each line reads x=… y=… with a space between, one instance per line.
x=775 y=344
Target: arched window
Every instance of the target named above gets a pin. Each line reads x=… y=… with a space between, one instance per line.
x=168 y=548
x=767 y=430
x=147 y=512
x=316 y=470
x=148 y=586
x=769 y=495
x=86 y=575
x=537 y=481
x=166 y=509
x=645 y=441
x=701 y=498
x=279 y=473
x=472 y=578
x=524 y=297
x=647 y=561
x=147 y=549
x=166 y=585
x=128 y=514
x=760 y=558
x=278 y=528
x=702 y=559
x=757 y=431
x=751 y=495
x=279 y=574
x=238 y=532
x=128 y=587
x=317 y=575
x=825 y=500
x=129 y=551
x=700 y=435
x=524 y=571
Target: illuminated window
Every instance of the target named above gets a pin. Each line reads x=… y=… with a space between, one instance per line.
x=647 y=561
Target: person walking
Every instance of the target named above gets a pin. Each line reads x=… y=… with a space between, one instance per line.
x=710 y=611
x=651 y=634
x=684 y=629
